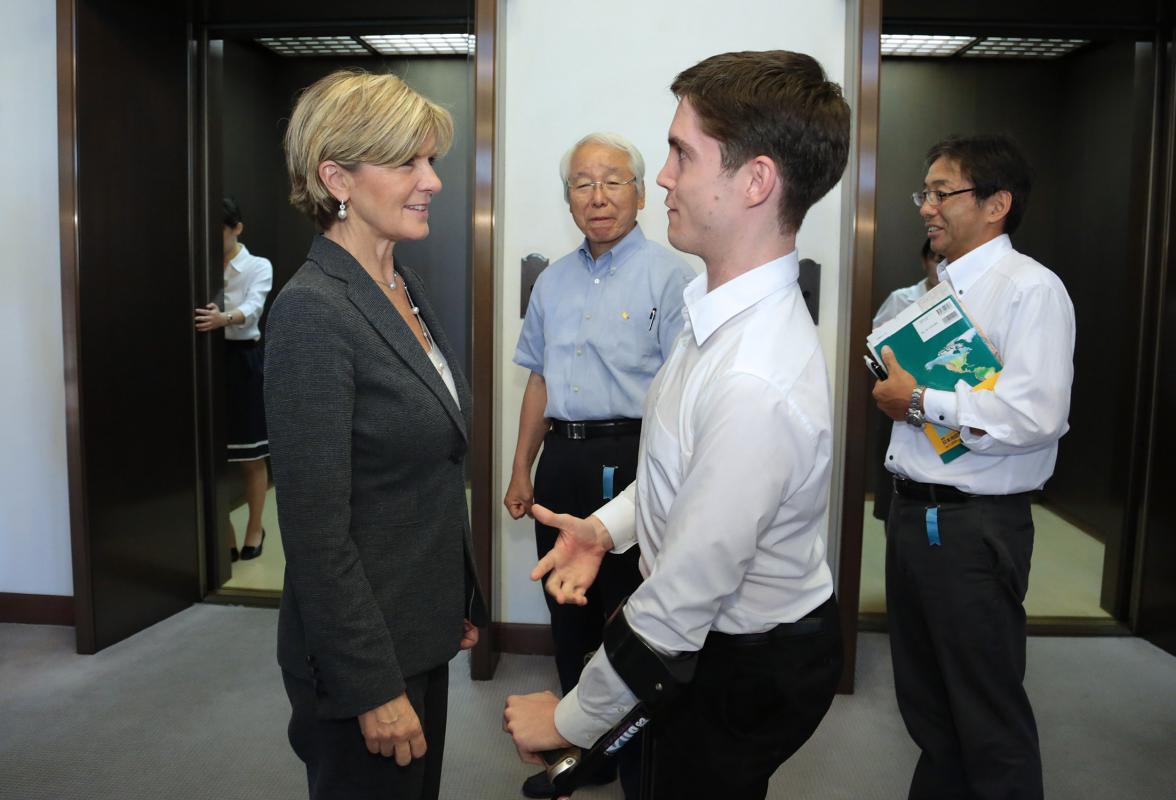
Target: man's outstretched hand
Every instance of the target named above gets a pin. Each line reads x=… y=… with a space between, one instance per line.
x=571 y=565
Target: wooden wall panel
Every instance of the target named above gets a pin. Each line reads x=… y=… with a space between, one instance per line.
x=129 y=330
x=1153 y=607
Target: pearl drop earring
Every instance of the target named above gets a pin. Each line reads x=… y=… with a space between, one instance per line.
x=342 y=212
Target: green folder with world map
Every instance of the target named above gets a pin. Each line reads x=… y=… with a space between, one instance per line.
x=936 y=342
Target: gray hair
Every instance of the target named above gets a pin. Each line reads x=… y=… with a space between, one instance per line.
x=614 y=140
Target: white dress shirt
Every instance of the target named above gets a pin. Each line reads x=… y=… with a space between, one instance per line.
x=248 y=279
x=441 y=364
x=1024 y=311
x=732 y=483
x=897 y=300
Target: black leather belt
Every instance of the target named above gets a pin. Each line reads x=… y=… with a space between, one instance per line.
x=813 y=622
x=590 y=429
x=932 y=492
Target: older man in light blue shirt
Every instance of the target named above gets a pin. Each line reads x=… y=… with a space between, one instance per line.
x=598 y=330
x=600 y=322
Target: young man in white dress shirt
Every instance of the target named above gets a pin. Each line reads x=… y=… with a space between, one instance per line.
x=728 y=505
x=960 y=535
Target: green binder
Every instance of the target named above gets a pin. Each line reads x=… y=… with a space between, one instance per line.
x=936 y=341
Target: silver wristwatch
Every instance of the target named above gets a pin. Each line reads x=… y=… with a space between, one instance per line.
x=915 y=415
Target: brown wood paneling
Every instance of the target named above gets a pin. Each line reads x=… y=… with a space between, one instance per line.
x=1118 y=560
x=126 y=278
x=218 y=485
x=36 y=609
x=484 y=657
x=67 y=223
x=523 y=639
x=1153 y=607
x=857 y=454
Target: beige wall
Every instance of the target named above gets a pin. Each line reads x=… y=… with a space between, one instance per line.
x=34 y=494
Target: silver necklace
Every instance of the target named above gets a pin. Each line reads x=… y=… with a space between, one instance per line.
x=433 y=354
x=416 y=312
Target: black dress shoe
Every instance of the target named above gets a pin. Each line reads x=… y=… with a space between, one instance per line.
x=249 y=552
x=233 y=554
x=538 y=785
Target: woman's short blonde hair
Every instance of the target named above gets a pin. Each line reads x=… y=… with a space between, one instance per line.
x=355 y=118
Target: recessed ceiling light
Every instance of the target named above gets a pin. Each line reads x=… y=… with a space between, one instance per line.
x=901 y=44
x=1003 y=47
x=314 y=46
x=422 y=44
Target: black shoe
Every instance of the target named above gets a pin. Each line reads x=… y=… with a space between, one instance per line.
x=249 y=552
x=538 y=785
x=233 y=554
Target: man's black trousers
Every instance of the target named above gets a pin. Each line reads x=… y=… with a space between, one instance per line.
x=957 y=638
x=570 y=480
x=753 y=702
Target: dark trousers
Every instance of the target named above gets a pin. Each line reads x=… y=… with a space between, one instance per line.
x=957 y=640
x=338 y=764
x=569 y=479
x=748 y=709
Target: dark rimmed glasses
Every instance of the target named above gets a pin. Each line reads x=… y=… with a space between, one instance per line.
x=934 y=197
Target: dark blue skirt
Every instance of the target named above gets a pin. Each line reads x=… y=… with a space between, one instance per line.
x=244 y=373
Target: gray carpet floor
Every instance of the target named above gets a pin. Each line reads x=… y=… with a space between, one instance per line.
x=193 y=709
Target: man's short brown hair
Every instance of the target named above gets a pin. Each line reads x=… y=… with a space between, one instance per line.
x=777 y=104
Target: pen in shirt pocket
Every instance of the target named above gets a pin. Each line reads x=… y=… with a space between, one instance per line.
x=652 y=316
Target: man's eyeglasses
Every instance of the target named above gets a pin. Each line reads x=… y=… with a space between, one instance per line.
x=934 y=197
x=612 y=187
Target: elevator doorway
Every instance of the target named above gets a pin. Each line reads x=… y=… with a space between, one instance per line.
x=1080 y=104
x=253 y=80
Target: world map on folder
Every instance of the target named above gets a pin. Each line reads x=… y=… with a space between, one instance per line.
x=934 y=340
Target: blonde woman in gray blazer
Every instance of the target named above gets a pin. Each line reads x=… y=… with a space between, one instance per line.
x=369 y=420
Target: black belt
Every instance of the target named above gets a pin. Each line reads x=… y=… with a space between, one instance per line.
x=932 y=492
x=813 y=622
x=597 y=427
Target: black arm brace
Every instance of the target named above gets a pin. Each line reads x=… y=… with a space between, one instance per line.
x=655 y=678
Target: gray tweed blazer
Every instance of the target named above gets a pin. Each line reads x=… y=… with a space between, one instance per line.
x=367 y=448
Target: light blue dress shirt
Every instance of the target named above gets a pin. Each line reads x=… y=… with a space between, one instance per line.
x=599 y=330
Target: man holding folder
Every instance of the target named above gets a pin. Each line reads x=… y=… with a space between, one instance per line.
x=960 y=534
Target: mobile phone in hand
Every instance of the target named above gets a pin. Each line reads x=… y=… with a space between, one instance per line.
x=876 y=369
